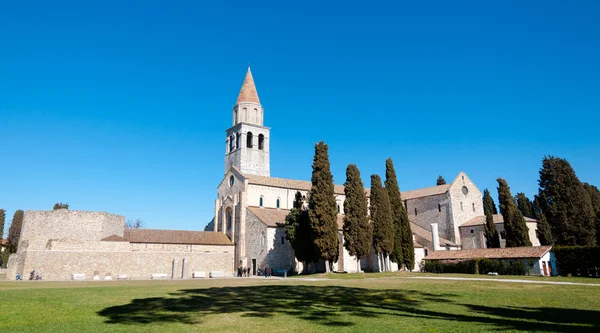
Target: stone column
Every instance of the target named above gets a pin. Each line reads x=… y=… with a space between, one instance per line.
x=174 y=271
x=184 y=274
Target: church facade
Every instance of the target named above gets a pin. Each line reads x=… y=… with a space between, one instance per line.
x=251 y=206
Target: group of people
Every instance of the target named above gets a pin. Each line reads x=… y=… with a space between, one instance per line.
x=243 y=271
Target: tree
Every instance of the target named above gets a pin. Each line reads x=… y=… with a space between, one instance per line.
x=441 y=181
x=381 y=217
x=2 y=220
x=543 y=232
x=488 y=203
x=566 y=204
x=14 y=232
x=517 y=233
x=298 y=233
x=525 y=205
x=60 y=205
x=137 y=224
x=322 y=208
x=492 y=238
x=594 y=194
x=210 y=226
x=357 y=230
x=404 y=251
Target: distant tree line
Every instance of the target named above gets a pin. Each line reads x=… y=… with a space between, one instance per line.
x=567 y=210
x=383 y=227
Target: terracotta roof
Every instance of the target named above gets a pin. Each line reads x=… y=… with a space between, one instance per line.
x=426 y=235
x=157 y=236
x=4 y=241
x=480 y=220
x=425 y=192
x=274 y=217
x=248 y=92
x=502 y=253
x=286 y=183
x=114 y=238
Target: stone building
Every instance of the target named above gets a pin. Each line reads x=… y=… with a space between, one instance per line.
x=473 y=237
x=251 y=206
x=60 y=243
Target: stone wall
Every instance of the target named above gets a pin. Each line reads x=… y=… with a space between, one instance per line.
x=464 y=206
x=431 y=209
x=473 y=237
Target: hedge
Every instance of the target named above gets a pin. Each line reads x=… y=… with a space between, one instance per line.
x=577 y=260
x=476 y=266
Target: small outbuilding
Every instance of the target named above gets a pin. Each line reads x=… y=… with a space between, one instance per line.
x=539 y=260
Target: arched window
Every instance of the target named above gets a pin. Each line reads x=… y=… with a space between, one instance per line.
x=235 y=116
x=260 y=201
x=256 y=115
x=229 y=217
x=261 y=141
x=249 y=140
x=245 y=112
x=231 y=143
x=461 y=207
x=263 y=239
x=277 y=203
x=473 y=206
x=237 y=140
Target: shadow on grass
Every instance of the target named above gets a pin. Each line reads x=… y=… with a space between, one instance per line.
x=339 y=306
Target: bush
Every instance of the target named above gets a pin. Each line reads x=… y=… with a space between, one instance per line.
x=577 y=260
x=477 y=266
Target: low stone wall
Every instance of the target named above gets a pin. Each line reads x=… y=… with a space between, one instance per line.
x=60 y=264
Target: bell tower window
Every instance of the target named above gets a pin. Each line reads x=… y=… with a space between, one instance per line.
x=261 y=141
x=249 y=140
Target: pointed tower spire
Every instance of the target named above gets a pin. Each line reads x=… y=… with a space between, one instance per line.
x=248 y=92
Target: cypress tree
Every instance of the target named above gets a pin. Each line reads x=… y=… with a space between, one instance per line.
x=2 y=220
x=357 y=230
x=381 y=217
x=404 y=251
x=566 y=204
x=492 y=238
x=525 y=205
x=488 y=203
x=517 y=233
x=14 y=232
x=441 y=181
x=393 y=191
x=322 y=208
x=543 y=232
x=298 y=232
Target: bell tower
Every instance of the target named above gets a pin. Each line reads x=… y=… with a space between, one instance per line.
x=247 y=140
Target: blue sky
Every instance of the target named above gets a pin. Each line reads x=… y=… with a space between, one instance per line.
x=122 y=106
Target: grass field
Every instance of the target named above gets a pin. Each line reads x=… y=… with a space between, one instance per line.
x=348 y=303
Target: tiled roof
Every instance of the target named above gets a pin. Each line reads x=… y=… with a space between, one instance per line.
x=425 y=192
x=286 y=183
x=248 y=92
x=304 y=185
x=274 y=217
x=426 y=235
x=4 y=241
x=480 y=220
x=502 y=253
x=157 y=236
x=114 y=238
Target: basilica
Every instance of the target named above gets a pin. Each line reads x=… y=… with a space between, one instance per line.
x=251 y=206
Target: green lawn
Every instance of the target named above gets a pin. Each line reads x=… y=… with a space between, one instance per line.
x=378 y=303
